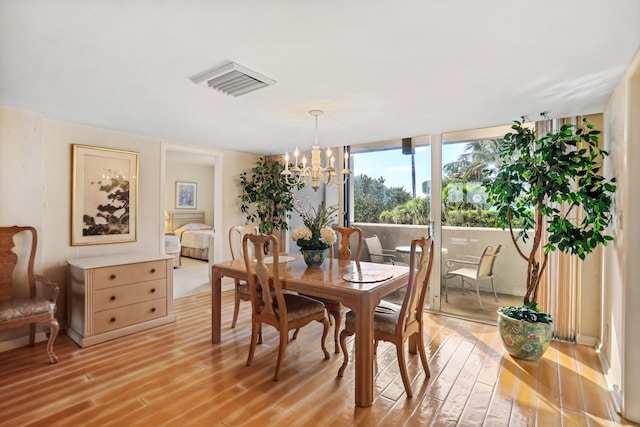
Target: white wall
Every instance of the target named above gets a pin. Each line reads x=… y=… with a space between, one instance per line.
x=35 y=188
x=202 y=175
x=620 y=348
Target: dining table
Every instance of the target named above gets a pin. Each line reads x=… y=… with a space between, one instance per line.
x=358 y=285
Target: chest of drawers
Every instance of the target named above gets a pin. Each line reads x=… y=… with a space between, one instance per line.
x=114 y=296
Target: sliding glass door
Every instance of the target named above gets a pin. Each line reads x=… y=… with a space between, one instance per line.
x=480 y=269
x=401 y=190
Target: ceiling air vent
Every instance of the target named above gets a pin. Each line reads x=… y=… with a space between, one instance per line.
x=233 y=79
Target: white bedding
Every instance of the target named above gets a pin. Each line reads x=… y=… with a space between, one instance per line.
x=194 y=240
x=198 y=239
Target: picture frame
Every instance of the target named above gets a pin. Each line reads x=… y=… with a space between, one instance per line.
x=104 y=195
x=186 y=195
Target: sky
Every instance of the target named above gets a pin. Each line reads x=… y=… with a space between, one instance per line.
x=395 y=167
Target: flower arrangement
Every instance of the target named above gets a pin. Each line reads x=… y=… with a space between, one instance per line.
x=315 y=234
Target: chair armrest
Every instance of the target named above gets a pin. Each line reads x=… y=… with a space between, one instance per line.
x=46 y=282
x=392 y=258
x=452 y=262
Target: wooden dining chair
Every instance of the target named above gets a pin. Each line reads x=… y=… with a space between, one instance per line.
x=334 y=307
x=397 y=323
x=236 y=234
x=283 y=311
x=344 y=243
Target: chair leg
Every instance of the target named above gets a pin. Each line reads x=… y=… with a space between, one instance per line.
x=478 y=294
x=345 y=354
x=494 y=290
x=236 y=308
x=282 y=349
x=403 y=369
x=423 y=354
x=53 y=324
x=446 y=289
x=252 y=346
x=325 y=332
x=32 y=334
x=336 y=333
x=295 y=334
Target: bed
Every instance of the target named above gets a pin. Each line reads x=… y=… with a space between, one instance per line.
x=172 y=247
x=193 y=233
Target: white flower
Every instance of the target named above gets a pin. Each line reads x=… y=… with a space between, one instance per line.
x=328 y=236
x=301 y=233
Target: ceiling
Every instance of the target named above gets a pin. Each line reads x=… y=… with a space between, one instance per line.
x=381 y=70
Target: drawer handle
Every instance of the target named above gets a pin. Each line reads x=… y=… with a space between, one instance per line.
x=153 y=290
x=153 y=270
x=113 y=276
x=113 y=298
x=113 y=319
x=153 y=310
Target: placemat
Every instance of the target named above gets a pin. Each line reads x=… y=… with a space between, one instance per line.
x=367 y=276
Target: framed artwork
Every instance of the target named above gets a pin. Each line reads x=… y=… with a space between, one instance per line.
x=186 y=195
x=104 y=195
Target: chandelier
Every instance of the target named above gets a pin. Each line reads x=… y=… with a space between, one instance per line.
x=315 y=173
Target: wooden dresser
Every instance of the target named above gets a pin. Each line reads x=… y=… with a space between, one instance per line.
x=114 y=296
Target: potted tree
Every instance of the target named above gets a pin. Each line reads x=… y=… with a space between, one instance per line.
x=266 y=196
x=533 y=177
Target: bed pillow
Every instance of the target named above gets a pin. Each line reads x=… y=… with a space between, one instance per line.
x=194 y=227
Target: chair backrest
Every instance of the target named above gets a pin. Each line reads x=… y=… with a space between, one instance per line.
x=10 y=260
x=344 y=242
x=236 y=234
x=265 y=276
x=420 y=263
x=374 y=246
x=487 y=259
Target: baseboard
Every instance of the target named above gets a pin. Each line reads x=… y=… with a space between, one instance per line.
x=587 y=340
x=614 y=389
x=21 y=341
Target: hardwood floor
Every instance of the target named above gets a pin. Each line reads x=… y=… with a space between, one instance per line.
x=173 y=375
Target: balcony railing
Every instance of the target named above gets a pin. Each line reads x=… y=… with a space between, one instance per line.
x=509 y=269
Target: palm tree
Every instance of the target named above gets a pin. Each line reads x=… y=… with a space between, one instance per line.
x=479 y=155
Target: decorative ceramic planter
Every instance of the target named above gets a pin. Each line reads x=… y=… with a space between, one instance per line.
x=313 y=257
x=524 y=340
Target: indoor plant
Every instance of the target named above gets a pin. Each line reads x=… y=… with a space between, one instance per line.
x=266 y=197
x=315 y=235
x=534 y=175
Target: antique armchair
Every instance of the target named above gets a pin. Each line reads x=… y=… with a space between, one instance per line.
x=16 y=308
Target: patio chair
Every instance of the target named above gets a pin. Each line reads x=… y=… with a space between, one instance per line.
x=376 y=253
x=397 y=323
x=473 y=269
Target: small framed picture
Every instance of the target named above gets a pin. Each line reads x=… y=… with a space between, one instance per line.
x=186 y=195
x=104 y=195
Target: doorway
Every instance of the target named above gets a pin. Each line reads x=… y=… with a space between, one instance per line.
x=198 y=167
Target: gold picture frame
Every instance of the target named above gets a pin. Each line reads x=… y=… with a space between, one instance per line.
x=104 y=195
